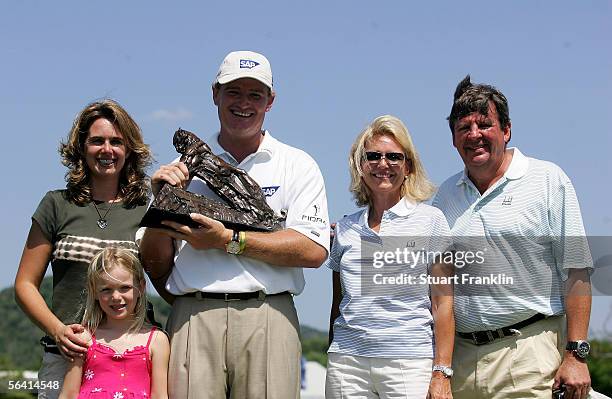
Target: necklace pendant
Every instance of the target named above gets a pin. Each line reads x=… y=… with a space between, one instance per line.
x=102 y=223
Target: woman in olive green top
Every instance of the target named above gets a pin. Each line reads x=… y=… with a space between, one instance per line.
x=105 y=198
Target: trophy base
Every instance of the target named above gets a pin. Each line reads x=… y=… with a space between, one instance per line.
x=176 y=204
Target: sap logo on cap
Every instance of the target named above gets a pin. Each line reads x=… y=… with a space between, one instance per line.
x=248 y=64
x=269 y=191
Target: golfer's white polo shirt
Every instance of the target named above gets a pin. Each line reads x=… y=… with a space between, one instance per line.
x=531 y=222
x=292 y=181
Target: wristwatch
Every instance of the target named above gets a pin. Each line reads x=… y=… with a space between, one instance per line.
x=580 y=348
x=233 y=247
x=445 y=370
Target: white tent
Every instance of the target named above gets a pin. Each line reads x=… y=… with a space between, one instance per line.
x=314 y=384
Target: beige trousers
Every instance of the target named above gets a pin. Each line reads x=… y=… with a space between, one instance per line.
x=236 y=349
x=522 y=366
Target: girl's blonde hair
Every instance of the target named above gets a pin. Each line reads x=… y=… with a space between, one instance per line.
x=100 y=266
x=416 y=186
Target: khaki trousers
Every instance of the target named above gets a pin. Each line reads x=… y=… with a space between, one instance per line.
x=522 y=366
x=235 y=349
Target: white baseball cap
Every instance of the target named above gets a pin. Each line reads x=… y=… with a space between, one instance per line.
x=244 y=64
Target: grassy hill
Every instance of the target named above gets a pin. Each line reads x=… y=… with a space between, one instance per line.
x=19 y=347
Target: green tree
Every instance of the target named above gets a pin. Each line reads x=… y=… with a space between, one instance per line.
x=600 y=366
x=314 y=348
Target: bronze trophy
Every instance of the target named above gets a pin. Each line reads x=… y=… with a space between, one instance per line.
x=245 y=206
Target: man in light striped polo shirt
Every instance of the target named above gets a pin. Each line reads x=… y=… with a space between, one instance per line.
x=522 y=313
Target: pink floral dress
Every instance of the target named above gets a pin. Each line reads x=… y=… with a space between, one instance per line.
x=111 y=375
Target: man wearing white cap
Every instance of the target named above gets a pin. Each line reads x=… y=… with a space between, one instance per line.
x=233 y=327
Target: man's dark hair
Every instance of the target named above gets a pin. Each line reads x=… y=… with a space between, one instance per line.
x=470 y=98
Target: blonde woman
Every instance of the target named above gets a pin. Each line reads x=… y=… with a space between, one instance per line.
x=389 y=340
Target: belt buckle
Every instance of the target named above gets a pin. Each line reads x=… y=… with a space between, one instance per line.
x=475 y=339
x=46 y=344
x=226 y=298
x=490 y=338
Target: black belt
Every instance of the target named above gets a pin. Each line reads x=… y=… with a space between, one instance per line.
x=237 y=296
x=49 y=345
x=488 y=336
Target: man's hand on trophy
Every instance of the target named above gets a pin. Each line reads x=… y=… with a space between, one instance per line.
x=209 y=234
x=175 y=174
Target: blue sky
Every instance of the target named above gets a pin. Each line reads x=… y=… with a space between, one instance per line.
x=336 y=65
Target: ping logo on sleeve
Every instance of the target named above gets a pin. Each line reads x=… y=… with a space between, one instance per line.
x=315 y=215
x=269 y=191
x=248 y=64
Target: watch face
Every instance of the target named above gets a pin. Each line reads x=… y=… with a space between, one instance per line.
x=447 y=371
x=583 y=349
x=232 y=247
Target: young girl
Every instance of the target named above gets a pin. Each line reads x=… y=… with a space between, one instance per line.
x=126 y=358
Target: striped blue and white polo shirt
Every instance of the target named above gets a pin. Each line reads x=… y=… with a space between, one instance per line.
x=530 y=226
x=390 y=319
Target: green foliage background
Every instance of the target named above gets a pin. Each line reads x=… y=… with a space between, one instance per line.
x=19 y=348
